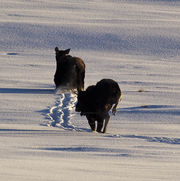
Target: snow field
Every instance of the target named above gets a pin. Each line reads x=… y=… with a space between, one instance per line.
x=136 y=43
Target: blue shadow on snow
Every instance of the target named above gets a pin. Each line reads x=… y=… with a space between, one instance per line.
x=149 y=109
x=26 y=91
x=166 y=140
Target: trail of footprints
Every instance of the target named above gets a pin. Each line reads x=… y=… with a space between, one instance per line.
x=61 y=114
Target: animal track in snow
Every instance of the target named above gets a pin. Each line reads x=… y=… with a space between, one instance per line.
x=62 y=113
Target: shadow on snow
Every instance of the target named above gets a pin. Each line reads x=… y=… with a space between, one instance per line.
x=26 y=36
x=166 y=140
x=99 y=151
x=14 y=132
x=151 y=109
x=26 y=91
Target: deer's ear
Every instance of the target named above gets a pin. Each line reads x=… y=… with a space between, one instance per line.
x=56 y=49
x=67 y=51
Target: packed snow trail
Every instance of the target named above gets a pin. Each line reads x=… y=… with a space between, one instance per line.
x=62 y=112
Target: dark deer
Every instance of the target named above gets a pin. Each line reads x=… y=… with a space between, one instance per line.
x=96 y=101
x=70 y=71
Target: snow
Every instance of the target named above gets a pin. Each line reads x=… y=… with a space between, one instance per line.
x=136 y=43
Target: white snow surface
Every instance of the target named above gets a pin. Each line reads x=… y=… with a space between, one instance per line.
x=136 y=43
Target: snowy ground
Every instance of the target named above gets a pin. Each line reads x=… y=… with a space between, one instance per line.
x=136 y=43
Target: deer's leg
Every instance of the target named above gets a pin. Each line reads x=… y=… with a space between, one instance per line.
x=107 y=118
x=91 y=122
